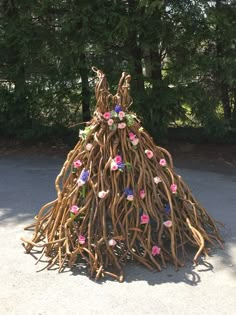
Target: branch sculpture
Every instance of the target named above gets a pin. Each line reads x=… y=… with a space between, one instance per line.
x=119 y=198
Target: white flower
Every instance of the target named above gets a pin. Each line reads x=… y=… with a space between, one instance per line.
x=168 y=223
x=89 y=146
x=130 y=197
x=135 y=141
x=112 y=242
x=102 y=194
x=157 y=180
x=114 y=165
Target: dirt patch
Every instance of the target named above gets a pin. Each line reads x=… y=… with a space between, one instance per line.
x=207 y=157
x=14 y=147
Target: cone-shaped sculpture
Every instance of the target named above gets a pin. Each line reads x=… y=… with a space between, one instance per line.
x=119 y=198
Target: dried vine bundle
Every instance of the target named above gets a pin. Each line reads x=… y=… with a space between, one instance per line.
x=119 y=198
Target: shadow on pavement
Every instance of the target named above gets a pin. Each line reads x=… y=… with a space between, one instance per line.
x=189 y=274
x=10 y=216
x=23 y=193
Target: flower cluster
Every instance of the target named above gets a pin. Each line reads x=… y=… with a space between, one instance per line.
x=116 y=113
x=134 y=140
x=84 y=133
x=117 y=118
x=117 y=163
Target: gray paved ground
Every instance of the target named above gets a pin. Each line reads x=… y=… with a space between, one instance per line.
x=210 y=288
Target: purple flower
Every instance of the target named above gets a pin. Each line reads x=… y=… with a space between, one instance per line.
x=118 y=109
x=129 y=194
x=121 y=166
x=128 y=191
x=167 y=209
x=84 y=175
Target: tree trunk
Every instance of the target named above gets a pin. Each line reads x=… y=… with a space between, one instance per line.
x=222 y=85
x=85 y=89
x=225 y=101
x=137 y=72
x=21 y=108
x=159 y=108
x=234 y=107
x=156 y=74
x=19 y=111
x=137 y=83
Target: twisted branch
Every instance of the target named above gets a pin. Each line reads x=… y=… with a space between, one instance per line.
x=114 y=218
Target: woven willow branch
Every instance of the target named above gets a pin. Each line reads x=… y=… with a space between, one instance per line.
x=111 y=227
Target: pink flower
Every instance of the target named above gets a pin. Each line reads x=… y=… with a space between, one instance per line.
x=162 y=162
x=173 y=188
x=110 y=122
x=121 y=125
x=132 y=136
x=89 y=146
x=74 y=209
x=168 y=223
x=121 y=115
x=135 y=141
x=118 y=159
x=142 y=194
x=149 y=153
x=155 y=250
x=107 y=115
x=77 y=164
x=102 y=194
x=112 y=242
x=114 y=166
x=82 y=239
x=144 y=219
x=157 y=180
x=130 y=197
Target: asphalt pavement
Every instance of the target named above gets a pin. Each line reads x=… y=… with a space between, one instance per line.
x=26 y=183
